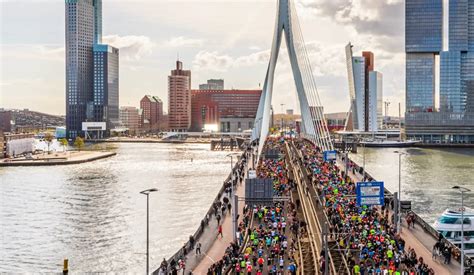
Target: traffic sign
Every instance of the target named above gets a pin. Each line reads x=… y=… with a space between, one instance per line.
x=329 y=155
x=370 y=193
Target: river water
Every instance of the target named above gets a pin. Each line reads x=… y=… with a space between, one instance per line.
x=427 y=176
x=93 y=214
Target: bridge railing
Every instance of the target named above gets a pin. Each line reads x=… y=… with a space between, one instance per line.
x=428 y=228
x=180 y=254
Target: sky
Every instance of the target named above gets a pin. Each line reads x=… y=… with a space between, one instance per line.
x=227 y=39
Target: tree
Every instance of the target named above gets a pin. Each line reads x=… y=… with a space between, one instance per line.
x=49 y=139
x=64 y=143
x=79 y=143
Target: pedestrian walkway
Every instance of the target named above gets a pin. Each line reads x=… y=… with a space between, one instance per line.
x=217 y=245
x=423 y=244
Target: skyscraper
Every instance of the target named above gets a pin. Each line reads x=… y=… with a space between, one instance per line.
x=179 y=95
x=452 y=121
x=365 y=87
x=80 y=36
x=84 y=94
x=106 y=86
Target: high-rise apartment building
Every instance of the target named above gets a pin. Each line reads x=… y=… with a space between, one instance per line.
x=366 y=91
x=452 y=119
x=106 y=85
x=152 y=112
x=83 y=48
x=212 y=84
x=179 y=95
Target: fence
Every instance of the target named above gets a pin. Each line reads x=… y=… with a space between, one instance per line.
x=180 y=253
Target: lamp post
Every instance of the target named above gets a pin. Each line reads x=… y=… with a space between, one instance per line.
x=233 y=210
x=363 y=162
x=147 y=193
x=399 y=209
x=462 y=190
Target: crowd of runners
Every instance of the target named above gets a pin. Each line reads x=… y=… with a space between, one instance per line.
x=267 y=247
x=366 y=233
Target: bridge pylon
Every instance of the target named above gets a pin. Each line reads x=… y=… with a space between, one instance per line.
x=314 y=126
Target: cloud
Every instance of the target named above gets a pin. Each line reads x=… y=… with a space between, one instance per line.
x=131 y=47
x=377 y=17
x=214 y=61
x=47 y=52
x=182 y=41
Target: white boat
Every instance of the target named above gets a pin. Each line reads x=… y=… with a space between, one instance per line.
x=449 y=225
x=388 y=143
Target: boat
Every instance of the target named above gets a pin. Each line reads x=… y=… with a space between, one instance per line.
x=388 y=143
x=449 y=225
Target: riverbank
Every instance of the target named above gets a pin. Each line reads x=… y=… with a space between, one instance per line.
x=152 y=140
x=61 y=158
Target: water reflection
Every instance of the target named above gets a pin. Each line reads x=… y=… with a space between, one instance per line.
x=93 y=214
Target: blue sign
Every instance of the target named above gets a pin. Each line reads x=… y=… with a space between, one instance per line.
x=370 y=193
x=329 y=155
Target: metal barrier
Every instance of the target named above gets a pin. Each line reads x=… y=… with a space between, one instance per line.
x=180 y=253
x=456 y=251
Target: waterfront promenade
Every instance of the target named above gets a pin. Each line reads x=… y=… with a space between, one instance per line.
x=61 y=158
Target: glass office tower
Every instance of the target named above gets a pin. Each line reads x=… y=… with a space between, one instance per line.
x=453 y=121
x=106 y=87
x=83 y=31
x=79 y=66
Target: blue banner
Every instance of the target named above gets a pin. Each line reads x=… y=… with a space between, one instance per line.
x=370 y=193
x=329 y=155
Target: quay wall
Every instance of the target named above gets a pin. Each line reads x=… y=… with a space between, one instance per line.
x=59 y=161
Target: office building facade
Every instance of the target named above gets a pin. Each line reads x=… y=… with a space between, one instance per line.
x=130 y=118
x=452 y=119
x=212 y=84
x=86 y=100
x=230 y=110
x=179 y=95
x=106 y=86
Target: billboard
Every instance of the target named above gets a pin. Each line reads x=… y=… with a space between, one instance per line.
x=93 y=126
x=370 y=193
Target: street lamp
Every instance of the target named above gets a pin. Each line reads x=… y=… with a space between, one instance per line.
x=147 y=192
x=399 y=209
x=232 y=204
x=462 y=190
x=363 y=161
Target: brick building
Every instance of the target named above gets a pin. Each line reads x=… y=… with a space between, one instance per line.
x=230 y=110
x=152 y=112
x=179 y=95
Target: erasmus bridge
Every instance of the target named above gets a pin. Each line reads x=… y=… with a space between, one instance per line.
x=313 y=125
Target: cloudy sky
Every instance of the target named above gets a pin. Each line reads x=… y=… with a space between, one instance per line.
x=227 y=39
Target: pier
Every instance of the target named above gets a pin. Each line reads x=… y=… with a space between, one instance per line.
x=319 y=244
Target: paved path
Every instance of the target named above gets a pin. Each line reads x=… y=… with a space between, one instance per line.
x=217 y=246
x=423 y=243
